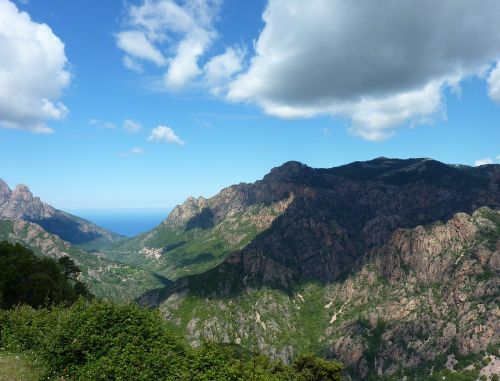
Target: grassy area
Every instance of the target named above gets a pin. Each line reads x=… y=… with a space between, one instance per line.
x=19 y=367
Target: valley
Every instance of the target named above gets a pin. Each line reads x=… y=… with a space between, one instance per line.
x=390 y=266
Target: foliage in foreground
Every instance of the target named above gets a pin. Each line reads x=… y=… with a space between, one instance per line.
x=28 y=279
x=102 y=341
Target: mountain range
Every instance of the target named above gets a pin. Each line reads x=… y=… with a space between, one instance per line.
x=389 y=265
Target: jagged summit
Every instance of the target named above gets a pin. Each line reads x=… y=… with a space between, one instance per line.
x=4 y=191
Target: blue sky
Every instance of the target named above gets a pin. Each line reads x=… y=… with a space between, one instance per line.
x=239 y=128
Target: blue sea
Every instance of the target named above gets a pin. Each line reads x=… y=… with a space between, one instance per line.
x=127 y=222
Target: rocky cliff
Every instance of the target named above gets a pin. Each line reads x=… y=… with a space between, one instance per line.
x=425 y=300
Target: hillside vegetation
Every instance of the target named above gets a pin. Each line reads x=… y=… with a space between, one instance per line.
x=427 y=299
x=103 y=341
x=105 y=278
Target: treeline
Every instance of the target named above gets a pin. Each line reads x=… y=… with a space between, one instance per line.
x=37 y=281
x=95 y=340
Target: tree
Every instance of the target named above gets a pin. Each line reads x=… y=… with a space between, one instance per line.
x=28 y=279
x=71 y=270
x=312 y=368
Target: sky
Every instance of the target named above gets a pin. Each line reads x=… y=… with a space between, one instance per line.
x=142 y=103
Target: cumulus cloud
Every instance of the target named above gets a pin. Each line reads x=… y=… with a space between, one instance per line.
x=102 y=124
x=494 y=83
x=221 y=68
x=381 y=67
x=498 y=158
x=169 y=35
x=165 y=134
x=131 y=126
x=33 y=72
x=484 y=161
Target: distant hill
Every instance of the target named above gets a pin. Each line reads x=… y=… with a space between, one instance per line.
x=20 y=204
x=49 y=232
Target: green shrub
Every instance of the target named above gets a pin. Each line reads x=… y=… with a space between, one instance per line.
x=102 y=341
x=312 y=368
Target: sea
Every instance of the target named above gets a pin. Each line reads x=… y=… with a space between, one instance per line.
x=127 y=222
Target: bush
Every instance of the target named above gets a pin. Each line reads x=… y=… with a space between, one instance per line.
x=102 y=341
x=312 y=368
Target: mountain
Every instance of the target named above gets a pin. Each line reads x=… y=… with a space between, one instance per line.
x=425 y=300
x=366 y=262
x=20 y=204
x=200 y=233
x=314 y=223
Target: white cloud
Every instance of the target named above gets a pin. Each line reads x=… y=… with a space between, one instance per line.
x=498 y=158
x=494 y=83
x=165 y=134
x=137 y=151
x=484 y=161
x=222 y=68
x=380 y=67
x=102 y=124
x=132 y=64
x=131 y=126
x=33 y=72
x=136 y=44
x=169 y=34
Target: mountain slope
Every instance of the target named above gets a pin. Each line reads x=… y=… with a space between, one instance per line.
x=425 y=299
x=20 y=204
x=317 y=278
x=304 y=223
x=106 y=279
x=200 y=233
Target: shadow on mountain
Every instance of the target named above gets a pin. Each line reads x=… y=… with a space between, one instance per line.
x=68 y=229
x=337 y=216
x=203 y=220
x=201 y=258
x=173 y=246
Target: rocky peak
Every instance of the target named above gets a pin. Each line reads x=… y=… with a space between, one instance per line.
x=22 y=192
x=4 y=191
x=20 y=204
x=186 y=211
x=21 y=188
x=294 y=172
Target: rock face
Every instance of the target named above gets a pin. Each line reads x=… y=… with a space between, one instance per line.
x=427 y=294
x=325 y=221
x=20 y=204
x=386 y=264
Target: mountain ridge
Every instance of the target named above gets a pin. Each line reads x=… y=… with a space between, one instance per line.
x=336 y=214
x=21 y=204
